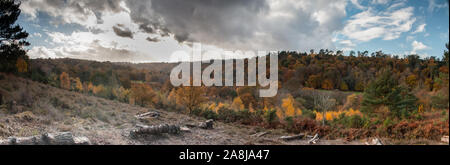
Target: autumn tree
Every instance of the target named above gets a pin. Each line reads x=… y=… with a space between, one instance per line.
x=90 y=87
x=343 y=86
x=143 y=94
x=190 y=97
x=21 y=65
x=313 y=81
x=247 y=95
x=289 y=108
x=327 y=84
x=12 y=38
x=78 y=85
x=122 y=94
x=411 y=81
x=238 y=104
x=64 y=81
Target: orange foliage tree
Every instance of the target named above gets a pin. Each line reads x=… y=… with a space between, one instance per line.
x=238 y=104
x=288 y=107
x=190 y=97
x=64 y=80
x=21 y=65
x=78 y=85
x=142 y=94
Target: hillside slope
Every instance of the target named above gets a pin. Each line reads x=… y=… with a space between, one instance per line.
x=32 y=108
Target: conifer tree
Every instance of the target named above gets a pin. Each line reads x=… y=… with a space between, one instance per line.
x=385 y=91
x=12 y=37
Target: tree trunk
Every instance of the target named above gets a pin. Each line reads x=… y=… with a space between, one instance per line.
x=155 y=129
x=60 y=138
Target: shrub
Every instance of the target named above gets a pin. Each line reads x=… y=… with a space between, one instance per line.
x=355 y=121
x=208 y=114
x=270 y=117
x=301 y=124
x=309 y=114
x=227 y=115
x=439 y=101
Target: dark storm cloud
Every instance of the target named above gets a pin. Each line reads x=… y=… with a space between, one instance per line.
x=213 y=21
x=228 y=24
x=237 y=24
x=122 y=31
x=77 y=8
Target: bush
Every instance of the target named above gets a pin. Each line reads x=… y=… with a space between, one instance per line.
x=209 y=114
x=308 y=114
x=301 y=124
x=439 y=101
x=39 y=76
x=354 y=121
x=227 y=115
x=270 y=117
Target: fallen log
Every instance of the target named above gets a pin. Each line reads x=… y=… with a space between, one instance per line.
x=208 y=124
x=152 y=114
x=294 y=137
x=260 y=134
x=155 y=129
x=60 y=138
x=185 y=129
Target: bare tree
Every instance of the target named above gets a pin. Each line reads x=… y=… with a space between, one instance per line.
x=323 y=102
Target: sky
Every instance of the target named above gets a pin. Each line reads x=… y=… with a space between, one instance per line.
x=152 y=30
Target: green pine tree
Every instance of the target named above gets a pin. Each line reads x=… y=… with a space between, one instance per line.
x=12 y=37
x=385 y=91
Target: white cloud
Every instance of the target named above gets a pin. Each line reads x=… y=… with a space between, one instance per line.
x=347 y=43
x=420 y=28
x=418 y=46
x=432 y=5
x=383 y=2
x=357 y=4
x=37 y=34
x=370 y=24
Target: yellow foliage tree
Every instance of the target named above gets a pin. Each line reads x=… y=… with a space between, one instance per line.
x=64 y=80
x=78 y=85
x=280 y=113
x=250 y=108
x=190 y=97
x=98 y=89
x=143 y=94
x=21 y=65
x=238 y=104
x=288 y=107
x=411 y=81
x=90 y=87
x=420 y=110
x=122 y=94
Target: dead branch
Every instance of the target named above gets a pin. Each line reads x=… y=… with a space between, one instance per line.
x=294 y=137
